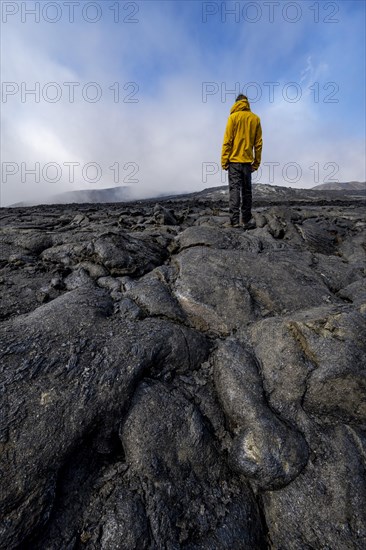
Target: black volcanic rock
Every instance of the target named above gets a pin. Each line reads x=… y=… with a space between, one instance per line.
x=169 y=382
x=264 y=448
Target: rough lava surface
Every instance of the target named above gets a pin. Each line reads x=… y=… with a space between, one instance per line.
x=169 y=382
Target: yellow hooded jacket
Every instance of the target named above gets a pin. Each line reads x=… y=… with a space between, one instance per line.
x=243 y=133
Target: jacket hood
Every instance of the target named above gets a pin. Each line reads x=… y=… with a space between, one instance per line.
x=241 y=105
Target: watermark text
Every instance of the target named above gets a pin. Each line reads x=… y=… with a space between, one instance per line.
x=71 y=172
x=274 y=172
x=291 y=92
x=270 y=11
x=70 y=11
x=53 y=92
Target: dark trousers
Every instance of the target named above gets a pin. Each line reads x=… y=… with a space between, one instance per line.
x=240 y=191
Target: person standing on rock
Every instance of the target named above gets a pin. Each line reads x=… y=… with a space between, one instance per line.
x=243 y=134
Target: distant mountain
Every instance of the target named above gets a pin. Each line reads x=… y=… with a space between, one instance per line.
x=342 y=186
x=110 y=194
x=261 y=191
x=264 y=192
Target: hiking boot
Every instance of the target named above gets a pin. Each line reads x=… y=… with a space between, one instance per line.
x=232 y=225
x=249 y=225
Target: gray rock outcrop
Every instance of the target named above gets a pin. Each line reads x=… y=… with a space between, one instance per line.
x=168 y=382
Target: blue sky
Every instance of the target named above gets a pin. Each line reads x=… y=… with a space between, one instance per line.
x=177 y=66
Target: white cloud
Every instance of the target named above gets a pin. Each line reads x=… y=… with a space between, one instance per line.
x=170 y=133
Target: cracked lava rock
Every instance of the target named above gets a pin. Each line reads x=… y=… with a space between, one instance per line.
x=168 y=382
